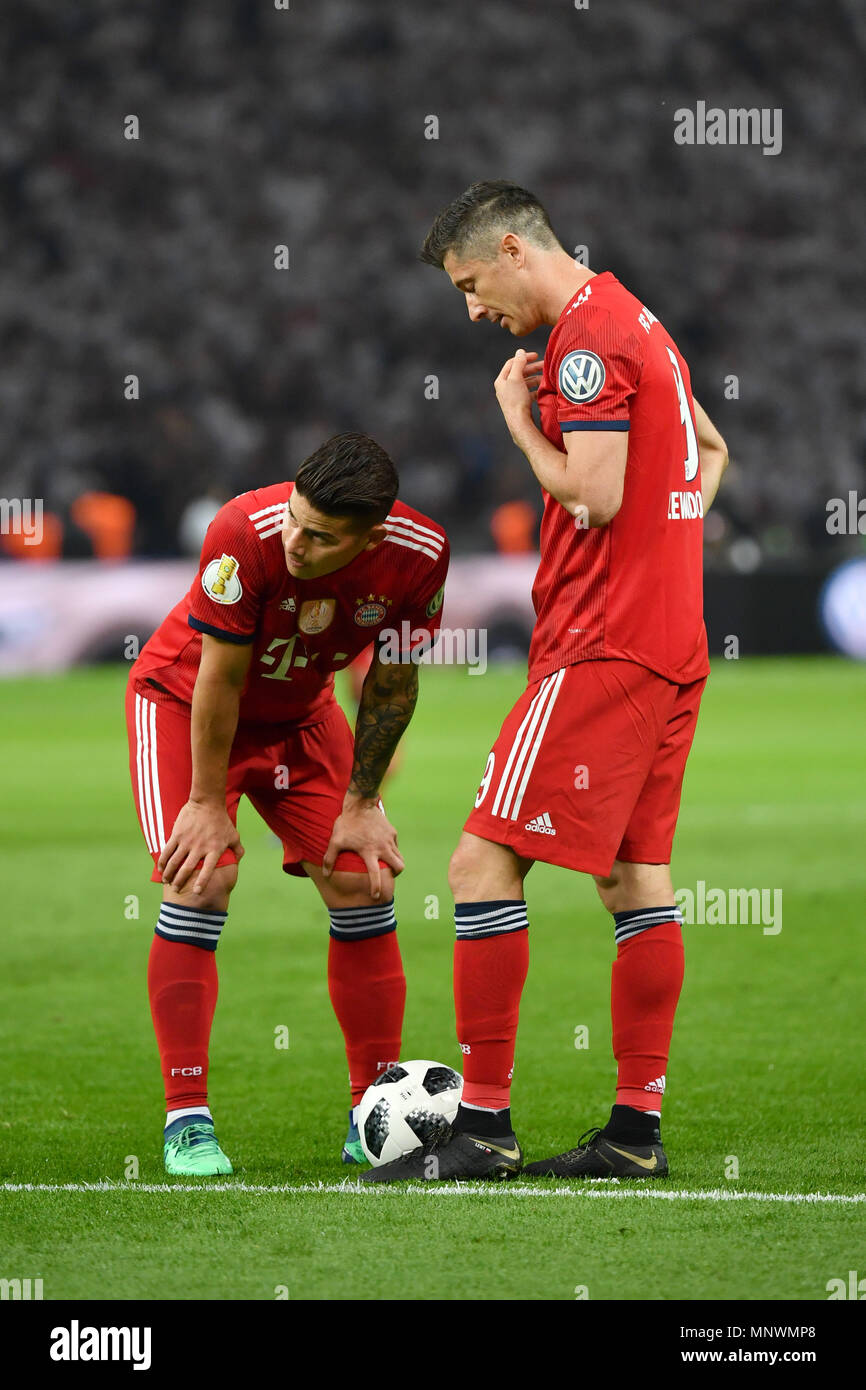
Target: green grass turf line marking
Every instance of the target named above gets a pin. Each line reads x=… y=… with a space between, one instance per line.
x=356 y=1189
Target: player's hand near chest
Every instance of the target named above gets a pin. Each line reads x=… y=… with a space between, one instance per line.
x=588 y=477
x=517 y=385
x=387 y=705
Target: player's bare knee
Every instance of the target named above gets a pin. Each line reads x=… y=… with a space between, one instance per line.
x=630 y=886
x=215 y=897
x=481 y=871
x=345 y=889
x=609 y=888
x=463 y=869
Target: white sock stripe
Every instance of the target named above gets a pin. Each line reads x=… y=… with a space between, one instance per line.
x=505 y=917
x=179 y=914
x=348 y=913
x=558 y=679
x=481 y=932
x=660 y=914
x=633 y=928
x=138 y=767
x=206 y=933
x=368 y=925
x=518 y=738
x=499 y=914
x=646 y=921
x=154 y=777
x=210 y=933
x=187 y=1110
x=362 y=927
x=636 y=926
x=364 y=922
x=627 y=935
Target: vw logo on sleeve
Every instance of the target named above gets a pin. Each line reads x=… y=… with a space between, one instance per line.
x=581 y=376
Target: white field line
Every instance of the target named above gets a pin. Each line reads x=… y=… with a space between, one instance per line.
x=603 y=1188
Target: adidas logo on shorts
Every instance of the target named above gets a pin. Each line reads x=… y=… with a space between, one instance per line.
x=542 y=825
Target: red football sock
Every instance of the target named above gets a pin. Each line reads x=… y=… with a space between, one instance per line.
x=646 y=979
x=489 y=974
x=182 y=984
x=368 y=991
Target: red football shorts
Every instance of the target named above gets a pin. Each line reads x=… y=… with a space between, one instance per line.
x=588 y=767
x=316 y=762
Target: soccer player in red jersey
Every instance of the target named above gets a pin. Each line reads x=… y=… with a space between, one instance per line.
x=588 y=767
x=234 y=695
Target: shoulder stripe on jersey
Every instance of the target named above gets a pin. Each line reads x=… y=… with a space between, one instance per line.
x=240 y=638
x=593 y=425
x=435 y=542
x=413 y=526
x=265 y=511
x=412 y=545
x=269 y=525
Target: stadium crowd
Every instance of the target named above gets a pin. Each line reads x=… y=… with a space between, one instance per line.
x=153 y=351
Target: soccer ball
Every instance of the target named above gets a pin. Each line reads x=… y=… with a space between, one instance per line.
x=408 y=1105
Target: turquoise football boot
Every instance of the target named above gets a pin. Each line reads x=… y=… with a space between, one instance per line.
x=352 y=1149
x=191 y=1149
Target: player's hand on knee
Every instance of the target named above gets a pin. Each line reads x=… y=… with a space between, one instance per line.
x=364 y=828
x=200 y=836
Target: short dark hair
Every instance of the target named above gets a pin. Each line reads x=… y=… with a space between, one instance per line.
x=349 y=476
x=481 y=216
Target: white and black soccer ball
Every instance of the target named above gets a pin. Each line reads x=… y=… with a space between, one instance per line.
x=408 y=1105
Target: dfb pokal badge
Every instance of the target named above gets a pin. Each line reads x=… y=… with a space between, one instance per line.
x=220 y=580
x=316 y=614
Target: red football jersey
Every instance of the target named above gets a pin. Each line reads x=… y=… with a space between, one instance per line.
x=302 y=630
x=632 y=589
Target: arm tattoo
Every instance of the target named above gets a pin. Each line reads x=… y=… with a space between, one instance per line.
x=387 y=704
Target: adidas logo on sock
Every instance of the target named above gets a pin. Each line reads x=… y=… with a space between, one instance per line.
x=542 y=825
x=657 y=1085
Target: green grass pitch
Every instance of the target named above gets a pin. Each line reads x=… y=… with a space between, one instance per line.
x=765 y=1077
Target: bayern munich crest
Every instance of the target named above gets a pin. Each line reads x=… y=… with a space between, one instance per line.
x=581 y=376
x=370 y=611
